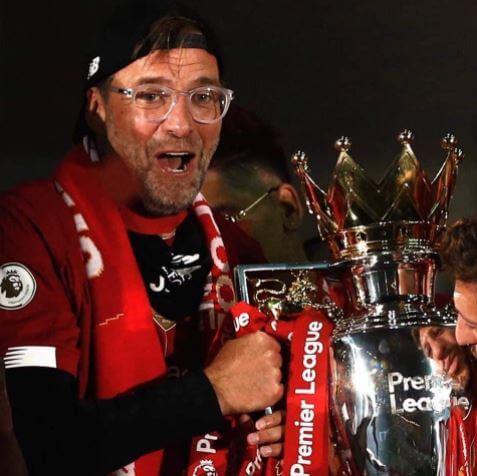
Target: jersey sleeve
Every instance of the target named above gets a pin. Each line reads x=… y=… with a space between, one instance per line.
x=37 y=322
x=61 y=435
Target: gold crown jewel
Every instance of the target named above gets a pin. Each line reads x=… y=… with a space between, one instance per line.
x=405 y=209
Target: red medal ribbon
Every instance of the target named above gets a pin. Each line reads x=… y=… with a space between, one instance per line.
x=306 y=433
x=306 y=436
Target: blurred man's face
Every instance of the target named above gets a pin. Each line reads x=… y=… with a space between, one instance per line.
x=440 y=345
x=264 y=222
x=465 y=300
x=166 y=160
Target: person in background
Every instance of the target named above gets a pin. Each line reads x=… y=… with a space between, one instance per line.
x=459 y=254
x=439 y=344
x=249 y=183
x=115 y=273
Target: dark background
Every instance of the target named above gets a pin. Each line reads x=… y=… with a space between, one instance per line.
x=315 y=69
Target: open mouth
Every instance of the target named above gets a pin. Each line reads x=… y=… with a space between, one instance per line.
x=175 y=162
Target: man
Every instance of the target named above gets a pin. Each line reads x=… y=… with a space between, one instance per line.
x=248 y=181
x=115 y=272
x=459 y=252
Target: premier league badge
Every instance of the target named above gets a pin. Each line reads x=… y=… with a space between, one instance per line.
x=17 y=286
x=205 y=468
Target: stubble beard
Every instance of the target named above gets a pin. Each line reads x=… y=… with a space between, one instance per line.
x=160 y=195
x=162 y=198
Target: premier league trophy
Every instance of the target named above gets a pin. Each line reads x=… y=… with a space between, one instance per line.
x=399 y=396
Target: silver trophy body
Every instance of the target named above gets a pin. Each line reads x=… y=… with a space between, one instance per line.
x=398 y=378
x=396 y=371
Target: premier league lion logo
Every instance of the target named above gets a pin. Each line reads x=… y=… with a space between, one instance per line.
x=205 y=468
x=17 y=286
x=11 y=284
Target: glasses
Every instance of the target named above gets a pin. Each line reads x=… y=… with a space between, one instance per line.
x=207 y=104
x=234 y=218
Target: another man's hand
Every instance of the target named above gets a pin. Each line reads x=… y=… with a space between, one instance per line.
x=270 y=434
x=246 y=374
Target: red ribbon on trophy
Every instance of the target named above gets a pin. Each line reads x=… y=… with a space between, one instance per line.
x=461 y=453
x=306 y=429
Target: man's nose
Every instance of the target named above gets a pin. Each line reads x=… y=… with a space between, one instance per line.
x=438 y=349
x=179 y=122
x=463 y=335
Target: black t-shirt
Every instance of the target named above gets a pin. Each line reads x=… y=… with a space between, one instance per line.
x=174 y=276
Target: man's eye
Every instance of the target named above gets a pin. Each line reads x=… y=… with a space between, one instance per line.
x=435 y=332
x=151 y=97
x=467 y=324
x=204 y=97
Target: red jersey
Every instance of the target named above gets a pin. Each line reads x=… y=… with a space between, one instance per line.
x=49 y=254
x=51 y=317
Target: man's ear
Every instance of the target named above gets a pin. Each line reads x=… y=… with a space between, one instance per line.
x=95 y=111
x=293 y=209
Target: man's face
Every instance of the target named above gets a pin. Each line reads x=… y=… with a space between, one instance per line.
x=154 y=152
x=264 y=222
x=465 y=300
x=440 y=345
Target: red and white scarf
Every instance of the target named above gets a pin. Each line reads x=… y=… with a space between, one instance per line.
x=124 y=341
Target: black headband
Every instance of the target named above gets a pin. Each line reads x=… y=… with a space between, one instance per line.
x=131 y=23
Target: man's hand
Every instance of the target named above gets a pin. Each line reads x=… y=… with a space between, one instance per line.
x=270 y=434
x=246 y=374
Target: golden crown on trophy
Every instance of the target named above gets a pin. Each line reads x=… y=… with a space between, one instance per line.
x=405 y=210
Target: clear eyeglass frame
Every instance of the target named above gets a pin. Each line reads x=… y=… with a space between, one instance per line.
x=223 y=103
x=236 y=217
